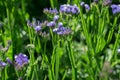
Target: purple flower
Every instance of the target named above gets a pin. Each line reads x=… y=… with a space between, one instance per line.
x=51 y=24
x=51 y=11
x=2 y=64
x=75 y=9
x=66 y=8
x=56 y=17
x=60 y=24
x=21 y=60
x=62 y=30
x=82 y=3
x=115 y=8
x=87 y=7
x=9 y=61
x=38 y=28
x=63 y=8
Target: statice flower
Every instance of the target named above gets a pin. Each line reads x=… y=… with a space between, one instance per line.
x=51 y=24
x=20 y=60
x=115 y=8
x=62 y=30
x=87 y=7
x=51 y=11
x=56 y=17
x=2 y=64
x=66 y=8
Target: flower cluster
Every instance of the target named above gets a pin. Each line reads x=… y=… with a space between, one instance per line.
x=20 y=60
x=66 y=8
x=115 y=8
x=60 y=30
x=35 y=24
x=51 y=24
x=2 y=64
x=56 y=17
x=86 y=6
x=51 y=11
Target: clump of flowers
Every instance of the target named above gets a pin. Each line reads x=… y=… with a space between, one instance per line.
x=86 y=6
x=61 y=30
x=35 y=24
x=50 y=11
x=51 y=24
x=20 y=60
x=115 y=8
x=66 y=8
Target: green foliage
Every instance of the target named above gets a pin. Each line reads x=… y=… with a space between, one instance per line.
x=90 y=52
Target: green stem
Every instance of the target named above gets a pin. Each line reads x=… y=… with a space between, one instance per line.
x=72 y=61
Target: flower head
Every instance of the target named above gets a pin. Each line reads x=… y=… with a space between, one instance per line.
x=2 y=64
x=61 y=30
x=82 y=3
x=21 y=60
x=51 y=24
x=56 y=17
x=75 y=9
x=38 y=28
x=87 y=7
x=115 y=8
x=51 y=11
x=60 y=24
x=66 y=8
x=9 y=61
